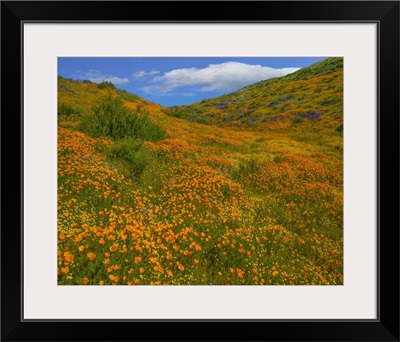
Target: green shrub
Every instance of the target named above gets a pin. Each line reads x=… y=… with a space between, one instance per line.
x=106 y=84
x=190 y=114
x=63 y=109
x=279 y=158
x=110 y=118
x=246 y=167
x=179 y=112
x=133 y=154
x=203 y=120
x=127 y=96
x=297 y=120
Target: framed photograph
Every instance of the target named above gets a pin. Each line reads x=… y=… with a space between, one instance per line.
x=169 y=164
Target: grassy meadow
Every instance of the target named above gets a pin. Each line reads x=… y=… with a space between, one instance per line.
x=245 y=189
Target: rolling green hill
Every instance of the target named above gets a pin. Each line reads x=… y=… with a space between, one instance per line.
x=311 y=98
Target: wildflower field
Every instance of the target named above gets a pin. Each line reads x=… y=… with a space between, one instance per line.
x=244 y=194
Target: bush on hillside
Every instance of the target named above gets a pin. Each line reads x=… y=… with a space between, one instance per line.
x=133 y=153
x=110 y=118
x=63 y=109
x=246 y=167
x=297 y=120
x=192 y=114
x=106 y=84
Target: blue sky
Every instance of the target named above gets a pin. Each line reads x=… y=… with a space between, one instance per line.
x=180 y=80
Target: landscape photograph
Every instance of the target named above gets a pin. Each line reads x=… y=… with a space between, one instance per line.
x=200 y=171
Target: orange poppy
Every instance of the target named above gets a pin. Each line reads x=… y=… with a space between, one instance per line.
x=91 y=256
x=64 y=270
x=68 y=257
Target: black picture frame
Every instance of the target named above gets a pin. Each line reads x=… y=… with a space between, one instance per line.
x=384 y=13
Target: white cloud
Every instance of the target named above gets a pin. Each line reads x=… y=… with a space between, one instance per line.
x=97 y=77
x=139 y=74
x=225 y=76
x=142 y=73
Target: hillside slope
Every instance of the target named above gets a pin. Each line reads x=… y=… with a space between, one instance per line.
x=311 y=98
